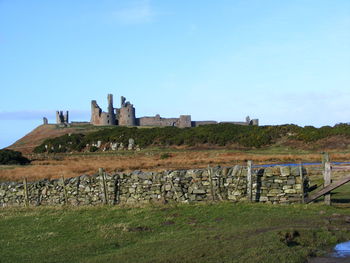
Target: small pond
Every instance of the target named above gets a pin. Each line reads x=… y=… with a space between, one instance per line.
x=340 y=254
x=342 y=250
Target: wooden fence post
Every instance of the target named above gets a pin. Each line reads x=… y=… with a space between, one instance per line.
x=327 y=176
x=103 y=184
x=25 y=189
x=218 y=185
x=210 y=171
x=249 y=181
x=302 y=183
x=64 y=190
x=325 y=158
x=105 y=187
x=117 y=190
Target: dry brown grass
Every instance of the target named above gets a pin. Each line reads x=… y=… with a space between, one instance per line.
x=76 y=165
x=34 y=138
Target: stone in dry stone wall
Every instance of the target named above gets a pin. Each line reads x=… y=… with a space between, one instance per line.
x=280 y=184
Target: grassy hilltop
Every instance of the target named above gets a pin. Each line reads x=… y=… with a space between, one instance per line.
x=214 y=135
x=27 y=143
x=76 y=137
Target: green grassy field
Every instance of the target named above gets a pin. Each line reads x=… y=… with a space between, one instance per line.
x=219 y=232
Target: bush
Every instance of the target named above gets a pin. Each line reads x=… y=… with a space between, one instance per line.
x=12 y=157
x=165 y=156
x=93 y=149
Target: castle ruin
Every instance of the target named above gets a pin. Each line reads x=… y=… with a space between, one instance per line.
x=62 y=118
x=125 y=116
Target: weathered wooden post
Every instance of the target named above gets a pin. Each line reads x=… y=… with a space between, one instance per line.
x=25 y=189
x=210 y=171
x=325 y=158
x=104 y=186
x=327 y=176
x=117 y=190
x=301 y=174
x=218 y=184
x=64 y=190
x=249 y=181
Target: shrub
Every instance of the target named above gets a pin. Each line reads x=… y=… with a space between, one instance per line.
x=165 y=156
x=12 y=157
x=93 y=149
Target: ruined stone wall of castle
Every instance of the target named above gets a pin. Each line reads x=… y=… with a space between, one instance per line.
x=95 y=113
x=100 y=118
x=270 y=185
x=243 y=123
x=254 y=122
x=199 y=123
x=236 y=122
x=182 y=122
x=157 y=121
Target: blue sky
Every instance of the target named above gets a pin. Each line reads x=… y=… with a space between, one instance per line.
x=279 y=61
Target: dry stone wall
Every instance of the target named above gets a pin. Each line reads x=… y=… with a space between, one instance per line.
x=269 y=185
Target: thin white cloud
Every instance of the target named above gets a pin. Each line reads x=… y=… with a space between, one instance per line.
x=135 y=13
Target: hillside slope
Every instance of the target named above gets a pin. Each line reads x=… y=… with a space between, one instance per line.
x=221 y=135
x=33 y=139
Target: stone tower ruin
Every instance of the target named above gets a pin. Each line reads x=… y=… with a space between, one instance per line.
x=185 y=121
x=62 y=118
x=126 y=113
x=123 y=116
x=111 y=114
